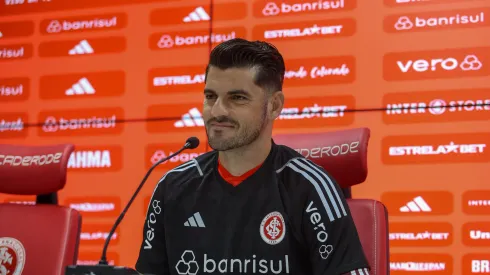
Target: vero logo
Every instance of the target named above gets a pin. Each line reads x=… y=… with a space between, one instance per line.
x=453 y=63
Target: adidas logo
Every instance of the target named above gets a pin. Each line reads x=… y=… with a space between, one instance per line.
x=192 y=119
x=199 y=14
x=82 y=87
x=81 y=48
x=416 y=205
x=195 y=221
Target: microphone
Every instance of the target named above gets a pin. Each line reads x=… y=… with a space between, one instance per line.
x=191 y=143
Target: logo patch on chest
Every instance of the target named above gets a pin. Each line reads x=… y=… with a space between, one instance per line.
x=273 y=228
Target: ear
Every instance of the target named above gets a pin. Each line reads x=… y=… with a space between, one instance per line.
x=277 y=103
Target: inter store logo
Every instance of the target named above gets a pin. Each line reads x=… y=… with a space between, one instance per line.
x=437 y=106
x=305 y=30
x=420 y=234
x=156 y=152
x=449 y=63
x=476 y=202
x=421 y=203
x=16 y=29
x=437 y=20
x=83 y=47
x=194 y=38
x=12 y=125
x=409 y=264
x=80 y=85
x=267 y=8
x=16 y=52
x=316 y=112
x=81 y=122
x=14 y=89
x=96 y=158
x=85 y=23
x=476 y=263
x=196 y=14
x=176 y=79
x=93 y=258
x=476 y=234
x=320 y=71
x=443 y=148
x=406 y=3
x=95 y=234
x=95 y=207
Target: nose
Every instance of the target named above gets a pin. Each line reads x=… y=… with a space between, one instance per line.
x=219 y=108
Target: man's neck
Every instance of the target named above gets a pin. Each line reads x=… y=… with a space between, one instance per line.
x=239 y=161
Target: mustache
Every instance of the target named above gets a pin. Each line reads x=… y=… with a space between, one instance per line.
x=222 y=119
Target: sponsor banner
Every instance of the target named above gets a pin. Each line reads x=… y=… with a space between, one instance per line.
x=176 y=80
x=16 y=7
x=437 y=64
x=421 y=203
x=476 y=234
x=267 y=8
x=102 y=207
x=320 y=71
x=437 y=106
x=198 y=14
x=316 y=112
x=14 y=89
x=16 y=29
x=476 y=202
x=194 y=38
x=16 y=51
x=305 y=30
x=156 y=152
x=439 y=148
x=82 y=47
x=27 y=200
x=95 y=234
x=12 y=125
x=167 y=118
x=96 y=158
x=421 y=234
x=417 y=263
x=81 y=122
x=476 y=263
x=93 y=258
x=407 y=3
x=437 y=20
x=84 y=23
x=81 y=85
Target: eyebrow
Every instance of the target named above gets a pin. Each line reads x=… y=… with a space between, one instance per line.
x=232 y=92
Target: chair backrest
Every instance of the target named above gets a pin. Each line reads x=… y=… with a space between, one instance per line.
x=42 y=238
x=344 y=155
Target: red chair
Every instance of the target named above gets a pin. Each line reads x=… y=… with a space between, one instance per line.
x=41 y=238
x=344 y=155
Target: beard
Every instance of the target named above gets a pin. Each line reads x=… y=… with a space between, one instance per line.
x=245 y=135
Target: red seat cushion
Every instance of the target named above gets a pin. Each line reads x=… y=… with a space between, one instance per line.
x=371 y=219
x=48 y=233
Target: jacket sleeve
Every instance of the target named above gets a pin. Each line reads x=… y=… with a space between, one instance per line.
x=152 y=257
x=328 y=229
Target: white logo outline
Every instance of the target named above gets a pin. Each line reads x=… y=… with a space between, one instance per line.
x=193 y=118
x=20 y=253
x=273 y=228
x=83 y=47
x=417 y=205
x=81 y=87
x=187 y=263
x=197 y=15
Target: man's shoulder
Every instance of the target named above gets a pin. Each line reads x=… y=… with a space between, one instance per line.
x=298 y=172
x=194 y=168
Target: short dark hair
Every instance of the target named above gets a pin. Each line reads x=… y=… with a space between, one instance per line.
x=241 y=53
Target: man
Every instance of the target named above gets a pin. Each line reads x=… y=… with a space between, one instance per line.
x=250 y=206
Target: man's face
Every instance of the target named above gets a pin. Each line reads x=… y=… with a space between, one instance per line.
x=235 y=109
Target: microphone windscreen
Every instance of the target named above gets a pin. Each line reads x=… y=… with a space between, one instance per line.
x=192 y=142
